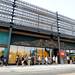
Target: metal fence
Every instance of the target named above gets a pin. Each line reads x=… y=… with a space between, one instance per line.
x=29 y=15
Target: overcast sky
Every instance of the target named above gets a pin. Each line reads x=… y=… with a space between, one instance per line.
x=64 y=7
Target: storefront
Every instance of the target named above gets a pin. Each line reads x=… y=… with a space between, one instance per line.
x=27 y=51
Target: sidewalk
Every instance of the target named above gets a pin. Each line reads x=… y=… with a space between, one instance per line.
x=37 y=68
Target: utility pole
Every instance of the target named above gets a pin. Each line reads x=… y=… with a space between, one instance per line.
x=58 y=35
x=10 y=31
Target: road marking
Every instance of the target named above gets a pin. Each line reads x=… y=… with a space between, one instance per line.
x=67 y=74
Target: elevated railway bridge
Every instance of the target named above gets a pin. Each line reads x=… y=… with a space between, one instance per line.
x=23 y=26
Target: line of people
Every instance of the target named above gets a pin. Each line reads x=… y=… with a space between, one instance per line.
x=35 y=60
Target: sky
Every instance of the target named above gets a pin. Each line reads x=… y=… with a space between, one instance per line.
x=64 y=7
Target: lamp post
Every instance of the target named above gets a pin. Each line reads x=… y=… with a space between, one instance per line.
x=58 y=35
x=10 y=30
x=61 y=61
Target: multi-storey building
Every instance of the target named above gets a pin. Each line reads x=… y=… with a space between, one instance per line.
x=26 y=29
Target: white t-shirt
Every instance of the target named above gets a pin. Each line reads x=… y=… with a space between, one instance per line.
x=54 y=58
x=46 y=59
x=68 y=58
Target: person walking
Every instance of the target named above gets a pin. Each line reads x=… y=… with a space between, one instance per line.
x=18 y=60
x=54 y=59
x=39 y=60
x=29 y=60
x=22 y=61
x=26 y=60
x=49 y=60
x=46 y=60
x=43 y=61
x=68 y=59
x=1 y=60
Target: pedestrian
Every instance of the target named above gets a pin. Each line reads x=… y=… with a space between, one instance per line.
x=39 y=60
x=46 y=60
x=17 y=60
x=1 y=60
x=54 y=59
x=71 y=61
x=29 y=60
x=4 y=61
x=22 y=61
x=32 y=60
x=43 y=61
x=26 y=60
x=35 y=60
x=68 y=59
x=49 y=60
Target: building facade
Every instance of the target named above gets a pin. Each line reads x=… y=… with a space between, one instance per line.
x=27 y=29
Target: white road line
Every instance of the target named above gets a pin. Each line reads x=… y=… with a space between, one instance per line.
x=67 y=74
